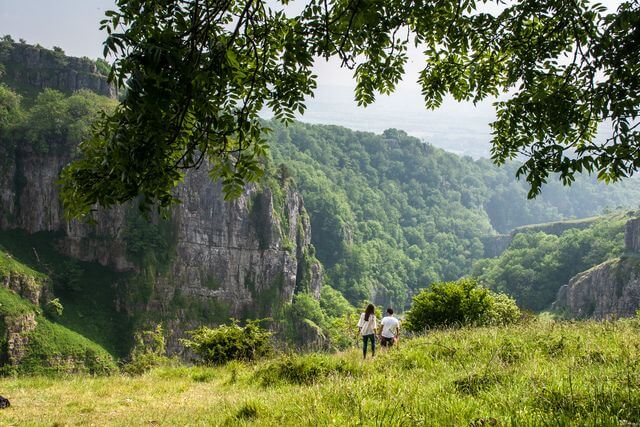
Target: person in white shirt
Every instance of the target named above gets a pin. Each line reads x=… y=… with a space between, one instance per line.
x=367 y=326
x=390 y=329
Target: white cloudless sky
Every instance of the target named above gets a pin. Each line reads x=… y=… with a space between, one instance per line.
x=459 y=127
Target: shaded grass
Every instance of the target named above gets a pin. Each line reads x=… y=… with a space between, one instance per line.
x=517 y=375
x=88 y=310
x=8 y=264
x=51 y=347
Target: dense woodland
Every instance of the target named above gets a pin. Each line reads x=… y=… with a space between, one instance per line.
x=391 y=214
x=537 y=264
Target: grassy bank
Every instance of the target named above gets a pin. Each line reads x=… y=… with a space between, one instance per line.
x=541 y=373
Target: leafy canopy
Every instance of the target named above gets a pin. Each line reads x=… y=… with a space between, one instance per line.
x=198 y=72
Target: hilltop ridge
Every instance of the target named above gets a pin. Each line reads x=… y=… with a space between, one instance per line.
x=31 y=68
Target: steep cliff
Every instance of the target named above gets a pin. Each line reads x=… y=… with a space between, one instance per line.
x=211 y=260
x=33 y=68
x=608 y=290
x=208 y=261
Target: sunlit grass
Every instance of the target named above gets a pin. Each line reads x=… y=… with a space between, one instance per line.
x=540 y=373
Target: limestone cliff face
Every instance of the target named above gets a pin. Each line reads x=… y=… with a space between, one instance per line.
x=247 y=256
x=242 y=258
x=246 y=253
x=210 y=261
x=611 y=289
x=39 y=68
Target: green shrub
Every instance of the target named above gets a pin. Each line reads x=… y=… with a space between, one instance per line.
x=503 y=310
x=249 y=411
x=230 y=342
x=463 y=302
x=53 y=308
x=149 y=352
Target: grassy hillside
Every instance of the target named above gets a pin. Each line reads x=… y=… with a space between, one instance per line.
x=86 y=290
x=51 y=347
x=540 y=373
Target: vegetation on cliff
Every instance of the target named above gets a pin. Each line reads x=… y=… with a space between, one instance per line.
x=537 y=264
x=33 y=343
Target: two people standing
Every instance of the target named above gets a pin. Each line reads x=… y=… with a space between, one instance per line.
x=368 y=327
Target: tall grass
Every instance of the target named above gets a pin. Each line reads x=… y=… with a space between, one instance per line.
x=539 y=373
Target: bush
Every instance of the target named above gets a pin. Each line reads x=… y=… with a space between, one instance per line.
x=53 y=309
x=148 y=352
x=503 y=310
x=463 y=302
x=230 y=342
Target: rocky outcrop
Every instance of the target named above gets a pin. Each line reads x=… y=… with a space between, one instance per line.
x=608 y=290
x=40 y=68
x=17 y=333
x=632 y=236
x=28 y=287
x=239 y=258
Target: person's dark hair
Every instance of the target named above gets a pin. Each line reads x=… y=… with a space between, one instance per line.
x=390 y=310
x=369 y=311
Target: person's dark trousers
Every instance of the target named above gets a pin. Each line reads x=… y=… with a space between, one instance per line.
x=366 y=338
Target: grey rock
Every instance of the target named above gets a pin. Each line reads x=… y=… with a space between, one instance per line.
x=34 y=290
x=41 y=68
x=18 y=329
x=632 y=235
x=608 y=290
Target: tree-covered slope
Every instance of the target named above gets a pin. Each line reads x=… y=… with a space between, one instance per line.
x=537 y=263
x=391 y=214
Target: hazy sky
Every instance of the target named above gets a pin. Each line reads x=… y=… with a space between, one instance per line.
x=460 y=127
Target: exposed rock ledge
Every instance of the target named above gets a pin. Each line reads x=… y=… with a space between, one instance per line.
x=608 y=290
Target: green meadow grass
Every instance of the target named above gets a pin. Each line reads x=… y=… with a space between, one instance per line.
x=538 y=373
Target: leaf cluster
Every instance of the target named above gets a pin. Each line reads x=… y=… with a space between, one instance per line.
x=225 y=343
x=459 y=303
